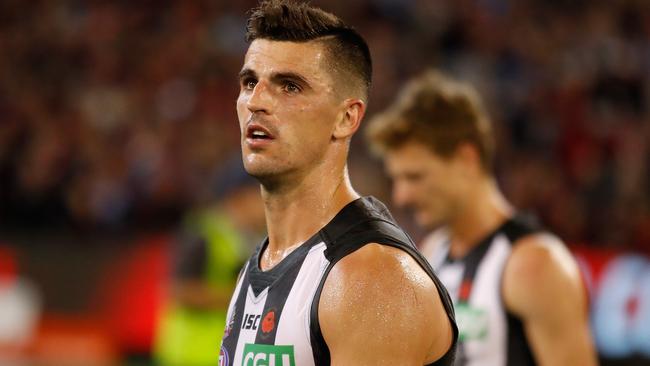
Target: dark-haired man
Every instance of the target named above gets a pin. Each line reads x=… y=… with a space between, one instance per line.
x=337 y=281
x=517 y=291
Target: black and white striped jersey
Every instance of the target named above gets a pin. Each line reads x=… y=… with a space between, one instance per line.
x=273 y=315
x=489 y=334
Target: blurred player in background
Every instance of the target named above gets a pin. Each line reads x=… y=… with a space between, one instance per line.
x=214 y=243
x=337 y=281
x=517 y=291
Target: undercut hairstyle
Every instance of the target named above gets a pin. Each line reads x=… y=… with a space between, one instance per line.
x=440 y=113
x=285 y=20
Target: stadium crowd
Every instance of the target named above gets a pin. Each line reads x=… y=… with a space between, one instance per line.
x=118 y=115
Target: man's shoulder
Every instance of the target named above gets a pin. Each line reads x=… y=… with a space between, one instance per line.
x=377 y=271
x=377 y=261
x=364 y=214
x=381 y=275
x=533 y=253
x=539 y=266
x=382 y=292
x=365 y=220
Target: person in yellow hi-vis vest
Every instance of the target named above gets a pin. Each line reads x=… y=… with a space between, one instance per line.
x=214 y=244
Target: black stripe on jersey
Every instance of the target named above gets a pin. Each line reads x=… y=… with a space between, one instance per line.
x=520 y=226
x=279 y=289
x=260 y=280
x=230 y=341
x=519 y=352
x=514 y=229
x=472 y=261
x=318 y=345
x=361 y=222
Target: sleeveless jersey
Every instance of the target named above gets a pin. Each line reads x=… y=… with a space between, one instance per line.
x=273 y=314
x=489 y=334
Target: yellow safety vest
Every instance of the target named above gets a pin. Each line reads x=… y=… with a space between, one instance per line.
x=192 y=337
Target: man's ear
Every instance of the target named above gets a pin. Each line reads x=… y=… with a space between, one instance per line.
x=350 y=119
x=467 y=154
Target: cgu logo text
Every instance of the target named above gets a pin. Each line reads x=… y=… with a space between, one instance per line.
x=268 y=355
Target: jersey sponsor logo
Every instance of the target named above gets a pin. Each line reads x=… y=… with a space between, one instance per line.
x=268 y=324
x=473 y=323
x=224 y=359
x=251 y=321
x=268 y=355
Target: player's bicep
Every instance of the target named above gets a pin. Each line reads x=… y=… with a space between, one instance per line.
x=566 y=345
x=376 y=310
x=542 y=285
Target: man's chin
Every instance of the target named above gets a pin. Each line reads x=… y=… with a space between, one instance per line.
x=260 y=173
x=268 y=178
x=256 y=167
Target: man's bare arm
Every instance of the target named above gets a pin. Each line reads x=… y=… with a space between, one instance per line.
x=378 y=307
x=542 y=285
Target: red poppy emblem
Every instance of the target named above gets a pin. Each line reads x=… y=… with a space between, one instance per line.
x=269 y=322
x=465 y=289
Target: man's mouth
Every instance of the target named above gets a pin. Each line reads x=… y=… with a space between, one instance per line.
x=258 y=132
x=260 y=135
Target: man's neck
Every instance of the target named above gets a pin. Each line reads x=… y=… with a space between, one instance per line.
x=485 y=211
x=296 y=213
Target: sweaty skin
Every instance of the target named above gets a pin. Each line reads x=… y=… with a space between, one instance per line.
x=378 y=300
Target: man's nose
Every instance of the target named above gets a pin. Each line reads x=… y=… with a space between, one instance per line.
x=260 y=99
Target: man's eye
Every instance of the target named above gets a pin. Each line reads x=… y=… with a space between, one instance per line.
x=249 y=84
x=413 y=177
x=291 y=87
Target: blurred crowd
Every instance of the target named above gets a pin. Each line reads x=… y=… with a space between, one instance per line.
x=118 y=115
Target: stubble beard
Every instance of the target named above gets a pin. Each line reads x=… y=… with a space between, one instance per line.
x=270 y=174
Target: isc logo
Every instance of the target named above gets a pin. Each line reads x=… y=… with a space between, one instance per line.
x=251 y=321
x=268 y=355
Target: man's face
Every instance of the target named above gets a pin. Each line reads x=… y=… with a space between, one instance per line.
x=287 y=107
x=425 y=182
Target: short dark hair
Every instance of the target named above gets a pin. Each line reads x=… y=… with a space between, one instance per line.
x=286 y=20
x=440 y=113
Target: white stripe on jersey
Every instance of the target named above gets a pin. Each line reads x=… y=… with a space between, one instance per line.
x=486 y=296
x=254 y=307
x=294 y=322
x=293 y=326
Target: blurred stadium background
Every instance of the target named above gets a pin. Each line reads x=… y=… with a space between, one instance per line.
x=117 y=119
